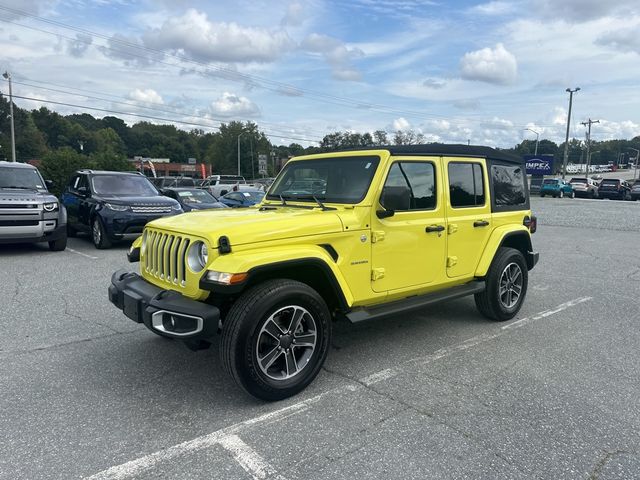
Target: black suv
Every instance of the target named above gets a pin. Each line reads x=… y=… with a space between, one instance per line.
x=615 y=188
x=110 y=205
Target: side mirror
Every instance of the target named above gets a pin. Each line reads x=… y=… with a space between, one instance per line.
x=49 y=184
x=394 y=199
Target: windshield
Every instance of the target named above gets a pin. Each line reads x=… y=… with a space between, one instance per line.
x=336 y=179
x=550 y=181
x=578 y=180
x=12 y=177
x=610 y=182
x=254 y=196
x=125 y=185
x=195 y=197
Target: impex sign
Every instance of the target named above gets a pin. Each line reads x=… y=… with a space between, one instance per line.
x=539 y=164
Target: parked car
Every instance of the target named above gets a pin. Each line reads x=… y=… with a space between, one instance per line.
x=584 y=187
x=219 y=185
x=394 y=227
x=535 y=184
x=113 y=205
x=193 y=198
x=246 y=198
x=556 y=187
x=614 y=188
x=635 y=190
x=166 y=182
x=28 y=212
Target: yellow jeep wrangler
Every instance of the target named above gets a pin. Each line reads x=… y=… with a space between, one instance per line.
x=358 y=234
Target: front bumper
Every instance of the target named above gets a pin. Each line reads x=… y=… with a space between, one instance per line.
x=46 y=231
x=119 y=224
x=164 y=312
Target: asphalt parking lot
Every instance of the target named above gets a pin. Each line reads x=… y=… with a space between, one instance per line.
x=443 y=393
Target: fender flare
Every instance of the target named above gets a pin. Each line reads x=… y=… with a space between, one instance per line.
x=500 y=236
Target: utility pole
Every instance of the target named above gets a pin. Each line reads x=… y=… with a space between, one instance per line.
x=7 y=75
x=589 y=123
x=635 y=172
x=239 y=152
x=537 y=139
x=566 y=141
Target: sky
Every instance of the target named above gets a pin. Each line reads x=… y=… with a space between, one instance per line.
x=455 y=71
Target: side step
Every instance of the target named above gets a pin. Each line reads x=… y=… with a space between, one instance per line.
x=364 y=314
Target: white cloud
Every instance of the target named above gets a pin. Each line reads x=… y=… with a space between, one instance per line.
x=624 y=40
x=147 y=96
x=337 y=55
x=15 y=8
x=400 y=124
x=582 y=10
x=491 y=65
x=193 y=34
x=232 y=105
x=434 y=83
x=130 y=50
x=496 y=7
x=77 y=47
x=295 y=15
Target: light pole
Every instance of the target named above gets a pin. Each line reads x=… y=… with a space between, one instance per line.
x=589 y=123
x=7 y=75
x=566 y=141
x=537 y=138
x=635 y=172
x=239 y=152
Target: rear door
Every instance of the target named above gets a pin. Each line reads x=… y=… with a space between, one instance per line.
x=468 y=214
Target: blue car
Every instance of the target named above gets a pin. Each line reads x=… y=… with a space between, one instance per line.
x=242 y=199
x=556 y=187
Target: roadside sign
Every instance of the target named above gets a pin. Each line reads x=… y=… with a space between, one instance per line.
x=539 y=164
x=262 y=164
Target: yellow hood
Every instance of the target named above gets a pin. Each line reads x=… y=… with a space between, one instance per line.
x=252 y=225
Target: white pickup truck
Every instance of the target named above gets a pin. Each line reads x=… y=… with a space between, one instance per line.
x=218 y=185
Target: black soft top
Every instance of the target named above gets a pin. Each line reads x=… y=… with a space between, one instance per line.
x=458 y=150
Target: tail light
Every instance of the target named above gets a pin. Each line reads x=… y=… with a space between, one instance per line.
x=531 y=223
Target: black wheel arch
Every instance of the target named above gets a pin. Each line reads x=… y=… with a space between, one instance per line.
x=520 y=240
x=311 y=271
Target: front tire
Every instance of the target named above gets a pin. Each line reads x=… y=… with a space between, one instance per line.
x=506 y=286
x=58 y=245
x=275 y=338
x=99 y=234
x=561 y=194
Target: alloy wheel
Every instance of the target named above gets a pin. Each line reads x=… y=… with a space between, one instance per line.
x=510 y=285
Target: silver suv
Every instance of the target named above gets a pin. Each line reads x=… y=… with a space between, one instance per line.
x=28 y=212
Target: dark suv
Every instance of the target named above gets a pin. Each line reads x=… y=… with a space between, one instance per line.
x=111 y=205
x=614 y=188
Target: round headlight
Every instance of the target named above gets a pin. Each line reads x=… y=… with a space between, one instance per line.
x=50 y=207
x=197 y=256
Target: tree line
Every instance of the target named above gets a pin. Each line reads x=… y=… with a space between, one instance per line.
x=65 y=143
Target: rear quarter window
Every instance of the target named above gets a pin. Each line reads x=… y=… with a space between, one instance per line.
x=508 y=185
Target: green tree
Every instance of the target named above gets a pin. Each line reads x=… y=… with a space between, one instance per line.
x=60 y=165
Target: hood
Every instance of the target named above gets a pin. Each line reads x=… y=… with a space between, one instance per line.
x=204 y=206
x=10 y=195
x=139 y=201
x=252 y=225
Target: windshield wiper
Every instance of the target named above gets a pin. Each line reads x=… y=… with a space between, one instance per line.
x=315 y=199
x=284 y=203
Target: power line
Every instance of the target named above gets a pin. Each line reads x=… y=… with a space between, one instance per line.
x=182 y=122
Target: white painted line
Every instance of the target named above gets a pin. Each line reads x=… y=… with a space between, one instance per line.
x=379 y=376
x=546 y=313
x=248 y=459
x=136 y=467
x=80 y=253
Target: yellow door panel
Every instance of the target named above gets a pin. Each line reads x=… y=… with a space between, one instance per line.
x=468 y=213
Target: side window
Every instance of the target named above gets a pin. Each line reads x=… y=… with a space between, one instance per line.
x=73 y=184
x=82 y=182
x=508 y=185
x=419 y=178
x=466 y=188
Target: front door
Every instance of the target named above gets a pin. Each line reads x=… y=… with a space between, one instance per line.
x=408 y=248
x=468 y=214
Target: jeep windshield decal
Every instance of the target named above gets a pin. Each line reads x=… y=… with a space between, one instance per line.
x=332 y=180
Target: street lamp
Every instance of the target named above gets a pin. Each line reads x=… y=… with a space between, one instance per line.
x=239 y=152
x=635 y=172
x=537 y=138
x=566 y=141
x=7 y=75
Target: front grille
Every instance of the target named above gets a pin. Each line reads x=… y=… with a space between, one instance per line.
x=151 y=209
x=18 y=205
x=165 y=256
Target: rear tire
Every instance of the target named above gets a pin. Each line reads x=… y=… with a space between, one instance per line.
x=542 y=195
x=573 y=194
x=506 y=286
x=275 y=338
x=561 y=194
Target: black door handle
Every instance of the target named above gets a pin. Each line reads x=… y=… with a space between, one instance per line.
x=480 y=223
x=434 y=228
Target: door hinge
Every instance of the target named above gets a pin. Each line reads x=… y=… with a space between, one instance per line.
x=377 y=236
x=452 y=261
x=452 y=228
x=377 y=274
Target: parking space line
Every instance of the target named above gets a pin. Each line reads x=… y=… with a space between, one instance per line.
x=80 y=253
x=248 y=459
x=251 y=461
